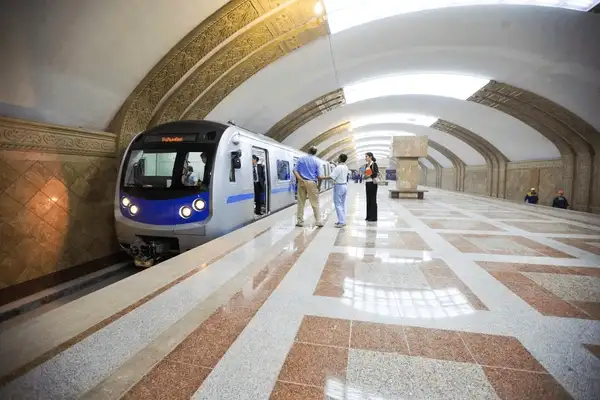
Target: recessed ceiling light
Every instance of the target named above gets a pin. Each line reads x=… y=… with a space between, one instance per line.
x=412 y=119
x=345 y=14
x=431 y=84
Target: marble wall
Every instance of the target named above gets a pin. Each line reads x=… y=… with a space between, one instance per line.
x=56 y=213
x=476 y=179
x=423 y=176
x=546 y=176
x=448 y=179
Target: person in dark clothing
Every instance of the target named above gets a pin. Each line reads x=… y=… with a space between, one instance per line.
x=532 y=197
x=371 y=180
x=560 y=201
x=258 y=173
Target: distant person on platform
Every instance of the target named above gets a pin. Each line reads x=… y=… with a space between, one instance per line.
x=259 y=176
x=532 y=197
x=371 y=181
x=340 y=176
x=307 y=174
x=560 y=201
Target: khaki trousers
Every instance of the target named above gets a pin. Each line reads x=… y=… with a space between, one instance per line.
x=310 y=190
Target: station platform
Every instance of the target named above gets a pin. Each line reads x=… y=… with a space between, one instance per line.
x=450 y=297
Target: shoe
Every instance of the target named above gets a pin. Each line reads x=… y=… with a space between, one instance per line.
x=319 y=224
x=299 y=225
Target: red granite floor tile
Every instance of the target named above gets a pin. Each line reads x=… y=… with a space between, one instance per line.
x=326 y=331
x=312 y=364
x=169 y=380
x=593 y=348
x=290 y=391
x=378 y=337
x=512 y=384
x=500 y=351
x=438 y=344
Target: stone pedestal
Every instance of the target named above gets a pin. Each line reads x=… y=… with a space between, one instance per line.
x=406 y=151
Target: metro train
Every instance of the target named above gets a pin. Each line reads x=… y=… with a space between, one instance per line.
x=184 y=183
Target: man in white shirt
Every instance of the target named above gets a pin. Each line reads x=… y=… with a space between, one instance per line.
x=339 y=175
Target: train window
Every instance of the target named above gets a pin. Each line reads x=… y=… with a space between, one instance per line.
x=150 y=169
x=236 y=163
x=283 y=171
x=196 y=169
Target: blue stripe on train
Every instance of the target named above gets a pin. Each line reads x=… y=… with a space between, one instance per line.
x=236 y=198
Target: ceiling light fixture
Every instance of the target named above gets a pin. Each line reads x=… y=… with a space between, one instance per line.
x=379 y=134
x=318 y=8
x=381 y=142
x=411 y=119
x=345 y=14
x=460 y=87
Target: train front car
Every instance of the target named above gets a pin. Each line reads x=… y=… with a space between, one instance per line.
x=163 y=196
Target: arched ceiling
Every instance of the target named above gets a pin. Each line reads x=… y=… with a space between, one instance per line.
x=277 y=68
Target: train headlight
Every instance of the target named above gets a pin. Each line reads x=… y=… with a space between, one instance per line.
x=185 y=212
x=134 y=209
x=125 y=202
x=199 y=204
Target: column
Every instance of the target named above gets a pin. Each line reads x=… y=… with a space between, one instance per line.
x=406 y=151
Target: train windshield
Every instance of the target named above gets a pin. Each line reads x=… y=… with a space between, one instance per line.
x=168 y=169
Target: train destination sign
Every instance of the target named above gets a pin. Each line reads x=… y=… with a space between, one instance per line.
x=171 y=138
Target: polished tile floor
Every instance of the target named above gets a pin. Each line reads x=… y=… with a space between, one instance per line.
x=447 y=298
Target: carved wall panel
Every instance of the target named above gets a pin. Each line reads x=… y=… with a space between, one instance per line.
x=285 y=24
x=204 y=76
x=31 y=136
x=136 y=112
x=336 y=130
x=266 y=55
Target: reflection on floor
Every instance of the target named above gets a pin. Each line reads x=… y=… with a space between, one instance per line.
x=447 y=298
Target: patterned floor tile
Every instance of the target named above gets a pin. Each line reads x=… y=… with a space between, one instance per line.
x=327 y=331
x=467 y=225
x=551 y=290
x=501 y=245
x=313 y=365
x=421 y=287
x=589 y=245
x=512 y=384
x=552 y=227
x=394 y=376
x=384 y=240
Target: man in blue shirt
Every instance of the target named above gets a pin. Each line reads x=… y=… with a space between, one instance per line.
x=307 y=173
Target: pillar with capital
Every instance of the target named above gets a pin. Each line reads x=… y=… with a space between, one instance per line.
x=406 y=151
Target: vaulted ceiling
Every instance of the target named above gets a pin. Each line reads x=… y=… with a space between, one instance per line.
x=486 y=83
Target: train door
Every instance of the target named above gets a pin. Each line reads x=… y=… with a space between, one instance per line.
x=295 y=162
x=262 y=181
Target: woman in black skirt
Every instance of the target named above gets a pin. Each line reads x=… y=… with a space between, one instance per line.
x=371 y=179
